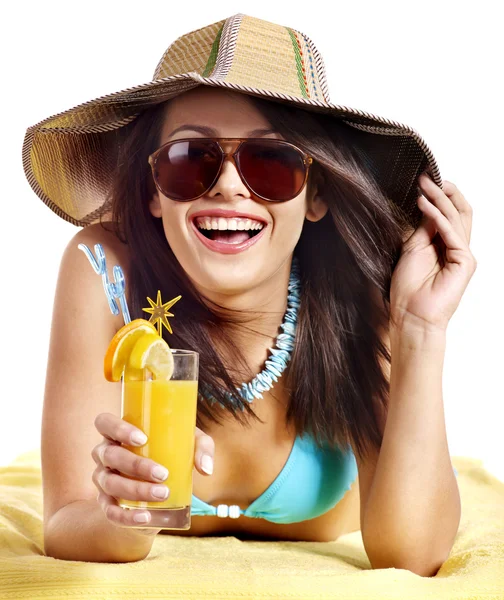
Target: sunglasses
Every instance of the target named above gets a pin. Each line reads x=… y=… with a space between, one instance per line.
x=273 y=170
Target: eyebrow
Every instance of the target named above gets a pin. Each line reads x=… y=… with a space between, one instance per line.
x=210 y=131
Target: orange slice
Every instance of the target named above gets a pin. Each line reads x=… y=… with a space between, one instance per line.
x=152 y=352
x=119 y=349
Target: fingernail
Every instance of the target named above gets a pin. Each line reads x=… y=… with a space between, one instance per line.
x=160 y=473
x=101 y=479
x=138 y=438
x=207 y=464
x=141 y=518
x=160 y=491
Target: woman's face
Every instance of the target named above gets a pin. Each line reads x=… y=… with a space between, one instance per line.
x=209 y=265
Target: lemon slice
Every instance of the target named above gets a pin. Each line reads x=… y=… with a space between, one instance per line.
x=131 y=374
x=152 y=352
x=119 y=349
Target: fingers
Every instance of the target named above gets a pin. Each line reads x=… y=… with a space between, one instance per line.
x=118 y=458
x=204 y=452
x=114 y=484
x=449 y=234
x=122 y=474
x=125 y=518
x=454 y=248
x=451 y=203
x=116 y=429
x=461 y=204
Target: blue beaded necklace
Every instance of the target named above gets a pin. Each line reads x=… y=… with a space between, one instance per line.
x=279 y=355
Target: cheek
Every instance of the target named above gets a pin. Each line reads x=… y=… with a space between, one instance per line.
x=288 y=223
x=174 y=218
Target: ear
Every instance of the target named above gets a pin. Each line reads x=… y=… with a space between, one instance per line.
x=155 y=206
x=317 y=208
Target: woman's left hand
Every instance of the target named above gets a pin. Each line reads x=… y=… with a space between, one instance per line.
x=429 y=279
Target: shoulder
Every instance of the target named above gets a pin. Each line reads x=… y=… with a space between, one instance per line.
x=116 y=251
x=77 y=281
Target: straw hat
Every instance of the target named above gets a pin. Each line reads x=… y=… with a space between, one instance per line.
x=69 y=157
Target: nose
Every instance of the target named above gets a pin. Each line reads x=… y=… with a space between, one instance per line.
x=229 y=183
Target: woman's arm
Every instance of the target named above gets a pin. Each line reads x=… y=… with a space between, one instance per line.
x=413 y=507
x=413 y=510
x=75 y=526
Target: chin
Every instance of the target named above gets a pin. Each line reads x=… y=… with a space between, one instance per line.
x=228 y=277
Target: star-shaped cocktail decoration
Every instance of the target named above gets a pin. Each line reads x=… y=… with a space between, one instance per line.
x=160 y=311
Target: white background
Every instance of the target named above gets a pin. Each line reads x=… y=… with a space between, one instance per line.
x=436 y=66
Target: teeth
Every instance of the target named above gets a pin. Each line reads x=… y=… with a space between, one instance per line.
x=228 y=224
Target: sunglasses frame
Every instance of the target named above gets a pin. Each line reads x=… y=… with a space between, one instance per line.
x=234 y=156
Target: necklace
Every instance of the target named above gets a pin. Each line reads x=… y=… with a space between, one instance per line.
x=280 y=355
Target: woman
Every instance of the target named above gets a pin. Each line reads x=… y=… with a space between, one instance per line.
x=365 y=374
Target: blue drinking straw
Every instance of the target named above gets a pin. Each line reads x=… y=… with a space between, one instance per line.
x=113 y=290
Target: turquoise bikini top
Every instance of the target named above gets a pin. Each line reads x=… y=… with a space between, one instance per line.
x=311 y=482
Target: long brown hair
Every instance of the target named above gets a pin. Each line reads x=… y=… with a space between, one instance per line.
x=345 y=259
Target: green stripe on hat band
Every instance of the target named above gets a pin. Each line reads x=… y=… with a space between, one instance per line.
x=213 y=54
x=299 y=64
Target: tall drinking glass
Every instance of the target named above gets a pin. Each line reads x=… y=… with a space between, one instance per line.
x=165 y=410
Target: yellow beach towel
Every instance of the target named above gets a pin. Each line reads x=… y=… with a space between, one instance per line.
x=225 y=567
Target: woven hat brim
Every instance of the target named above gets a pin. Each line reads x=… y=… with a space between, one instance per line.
x=69 y=157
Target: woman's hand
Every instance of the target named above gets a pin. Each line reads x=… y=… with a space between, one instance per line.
x=434 y=270
x=113 y=460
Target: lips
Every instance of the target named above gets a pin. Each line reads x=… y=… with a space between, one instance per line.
x=228 y=228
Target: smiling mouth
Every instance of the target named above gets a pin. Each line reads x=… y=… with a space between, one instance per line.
x=232 y=231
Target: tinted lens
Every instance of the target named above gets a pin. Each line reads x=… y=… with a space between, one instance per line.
x=273 y=170
x=186 y=169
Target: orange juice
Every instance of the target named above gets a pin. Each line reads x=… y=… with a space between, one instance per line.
x=165 y=410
